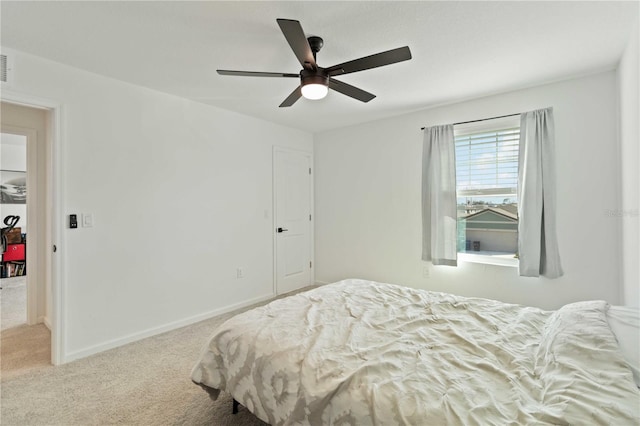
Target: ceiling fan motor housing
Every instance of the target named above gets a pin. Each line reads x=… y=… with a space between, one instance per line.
x=314 y=77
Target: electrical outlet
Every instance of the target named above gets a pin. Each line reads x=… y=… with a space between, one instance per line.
x=426 y=271
x=239 y=273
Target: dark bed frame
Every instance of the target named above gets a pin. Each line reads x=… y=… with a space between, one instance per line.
x=213 y=393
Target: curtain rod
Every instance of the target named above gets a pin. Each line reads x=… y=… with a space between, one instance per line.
x=482 y=119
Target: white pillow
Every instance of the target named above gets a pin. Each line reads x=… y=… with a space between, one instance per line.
x=625 y=324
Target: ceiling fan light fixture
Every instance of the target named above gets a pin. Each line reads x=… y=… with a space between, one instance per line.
x=313 y=84
x=314 y=91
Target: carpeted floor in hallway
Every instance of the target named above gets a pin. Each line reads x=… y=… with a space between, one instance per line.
x=13 y=302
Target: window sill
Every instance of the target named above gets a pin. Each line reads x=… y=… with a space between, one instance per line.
x=489 y=258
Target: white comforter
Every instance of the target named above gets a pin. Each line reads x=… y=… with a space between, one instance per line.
x=361 y=353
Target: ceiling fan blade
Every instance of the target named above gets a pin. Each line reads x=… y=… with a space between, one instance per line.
x=373 y=61
x=349 y=90
x=256 y=74
x=294 y=34
x=292 y=98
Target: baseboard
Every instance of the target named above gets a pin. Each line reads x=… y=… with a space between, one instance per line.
x=101 y=347
x=322 y=282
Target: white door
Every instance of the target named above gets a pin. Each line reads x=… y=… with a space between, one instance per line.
x=292 y=217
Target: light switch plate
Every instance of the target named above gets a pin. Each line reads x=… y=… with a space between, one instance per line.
x=87 y=220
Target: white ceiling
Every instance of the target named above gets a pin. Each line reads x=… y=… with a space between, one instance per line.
x=460 y=50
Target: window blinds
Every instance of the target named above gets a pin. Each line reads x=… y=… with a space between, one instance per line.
x=487 y=163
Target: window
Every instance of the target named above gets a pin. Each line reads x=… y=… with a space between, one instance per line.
x=486 y=190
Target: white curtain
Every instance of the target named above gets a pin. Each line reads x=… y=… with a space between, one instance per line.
x=439 y=215
x=537 y=242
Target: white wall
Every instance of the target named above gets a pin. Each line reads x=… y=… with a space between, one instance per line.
x=178 y=191
x=628 y=77
x=368 y=215
x=13 y=152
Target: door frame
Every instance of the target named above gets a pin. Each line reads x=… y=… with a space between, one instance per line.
x=54 y=217
x=309 y=154
x=33 y=271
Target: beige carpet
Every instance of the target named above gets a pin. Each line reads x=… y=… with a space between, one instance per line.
x=143 y=383
x=23 y=349
x=13 y=304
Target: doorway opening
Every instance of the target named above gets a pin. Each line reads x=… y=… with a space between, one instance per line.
x=25 y=324
x=13 y=213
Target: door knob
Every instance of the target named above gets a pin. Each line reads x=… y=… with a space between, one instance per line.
x=282 y=229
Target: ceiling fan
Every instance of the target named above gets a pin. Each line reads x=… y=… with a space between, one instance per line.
x=315 y=81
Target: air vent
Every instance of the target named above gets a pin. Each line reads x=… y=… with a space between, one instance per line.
x=3 y=68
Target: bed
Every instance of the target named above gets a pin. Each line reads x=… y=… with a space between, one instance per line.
x=359 y=352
